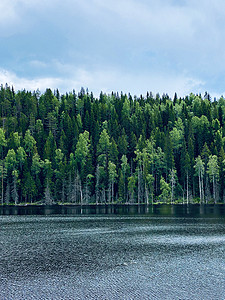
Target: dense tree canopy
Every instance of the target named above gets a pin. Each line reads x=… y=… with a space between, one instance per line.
x=76 y=148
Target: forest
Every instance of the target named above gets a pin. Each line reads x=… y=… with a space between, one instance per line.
x=75 y=148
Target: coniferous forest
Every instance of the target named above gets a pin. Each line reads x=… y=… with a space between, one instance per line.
x=117 y=148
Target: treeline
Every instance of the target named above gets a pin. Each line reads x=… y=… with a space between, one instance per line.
x=75 y=148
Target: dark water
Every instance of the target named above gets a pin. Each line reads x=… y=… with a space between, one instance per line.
x=160 y=210
x=160 y=253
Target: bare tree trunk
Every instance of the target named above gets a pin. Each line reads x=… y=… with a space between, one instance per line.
x=7 y=193
x=112 y=191
x=200 y=187
x=172 y=185
x=97 y=186
x=139 y=186
x=2 y=187
x=146 y=194
x=207 y=191
x=81 y=192
x=217 y=192
x=14 y=192
x=69 y=189
x=109 y=192
x=63 y=190
x=76 y=190
x=187 y=188
x=47 y=196
x=124 y=186
x=103 y=196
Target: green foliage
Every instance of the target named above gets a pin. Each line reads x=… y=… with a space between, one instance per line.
x=213 y=168
x=199 y=166
x=82 y=150
x=29 y=142
x=78 y=148
x=2 y=139
x=21 y=156
x=165 y=190
x=10 y=160
x=37 y=164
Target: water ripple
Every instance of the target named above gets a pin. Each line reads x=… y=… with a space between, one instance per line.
x=111 y=258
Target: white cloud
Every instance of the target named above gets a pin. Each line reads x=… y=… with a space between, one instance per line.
x=156 y=24
x=8 y=14
x=38 y=64
x=107 y=81
x=17 y=16
x=161 y=45
x=20 y=83
x=190 y=36
x=158 y=20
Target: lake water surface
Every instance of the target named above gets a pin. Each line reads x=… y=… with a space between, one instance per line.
x=156 y=253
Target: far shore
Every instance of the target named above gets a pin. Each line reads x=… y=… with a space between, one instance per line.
x=106 y=204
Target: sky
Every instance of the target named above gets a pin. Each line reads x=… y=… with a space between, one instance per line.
x=134 y=46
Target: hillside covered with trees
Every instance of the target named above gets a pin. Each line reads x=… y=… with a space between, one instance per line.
x=75 y=148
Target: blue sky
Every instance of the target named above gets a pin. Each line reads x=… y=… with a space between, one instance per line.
x=134 y=46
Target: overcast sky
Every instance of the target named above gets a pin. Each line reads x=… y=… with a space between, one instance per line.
x=134 y=46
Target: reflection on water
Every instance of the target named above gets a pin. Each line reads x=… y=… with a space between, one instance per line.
x=161 y=210
x=136 y=256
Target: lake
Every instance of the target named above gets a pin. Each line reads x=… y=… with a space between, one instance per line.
x=112 y=252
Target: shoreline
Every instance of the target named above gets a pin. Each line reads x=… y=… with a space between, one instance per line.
x=109 y=204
